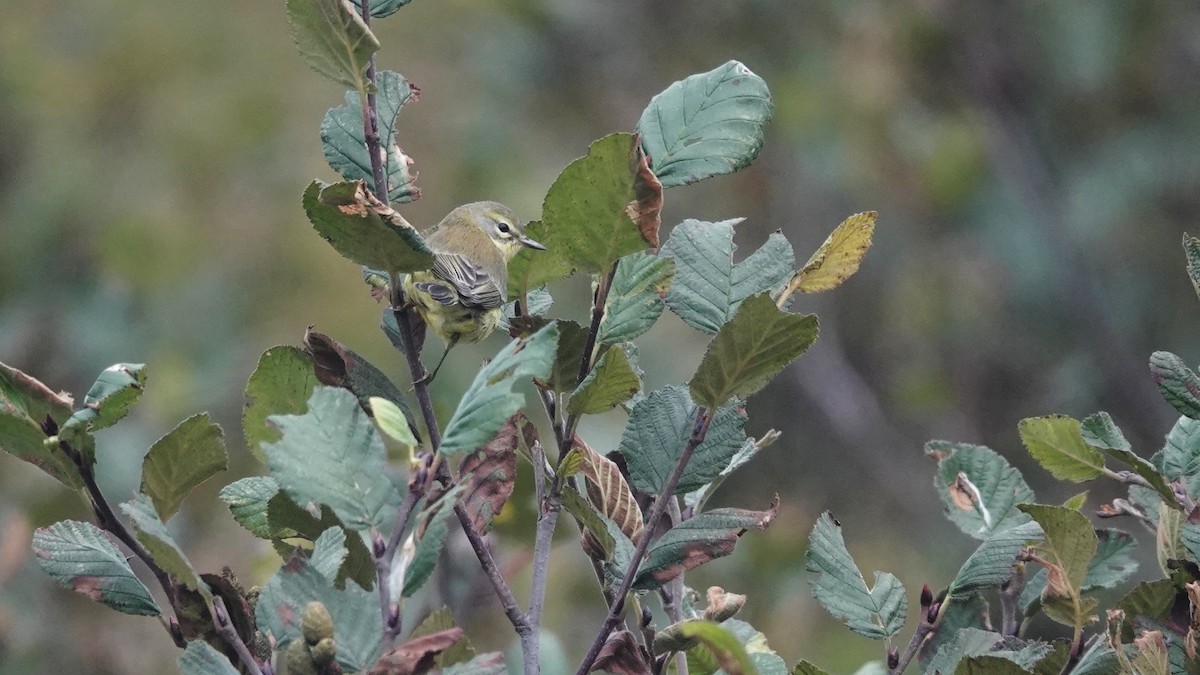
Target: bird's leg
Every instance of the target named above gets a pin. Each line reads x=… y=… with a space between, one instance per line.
x=428 y=376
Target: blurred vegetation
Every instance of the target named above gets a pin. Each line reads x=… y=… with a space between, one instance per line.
x=1033 y=163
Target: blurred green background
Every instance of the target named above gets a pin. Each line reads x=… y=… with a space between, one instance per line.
x=1034 y=165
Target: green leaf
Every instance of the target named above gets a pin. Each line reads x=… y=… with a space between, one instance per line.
x=429 y=544
x=635 y=300
x=346 y=149
x=357 y=626
x=393 y=421
x=190 y=454
x=1113 y=562
x=966 y=611
x=658 y=430
x=1100 y=432
x=964 y=643
x=439 y=620
x=1149 y=600
x=697 y=540
x=564 y=374
x=708 y=287
x=585 y=216
x=1191 y=250
x=332 y=455
x=281 y=384
x=80 y=557
x=363 y=229
x=1176 y=382
x=530 y=269
x=490 y=400
x=152 y=533
x=22 y=438
x=247 y=500
x=1056 y=442
x=611 y=382
x=591 y=521
x=1099 y=659
x=806 y=668
x=329 y=552
x=992 y=563
x=750 y=350
x=1112 y=565
x=875 y=613
x=1067 y=549
x=1180 y=456
x=988 y=665
x=979 y=489
x=385 y=8
x=333 y=39
x=750 y=448
x=109 y=399
x=728 y=650
x=21 y=394
x=287 y=520
x=706 y=125
x=200 y=658
x=336 y=365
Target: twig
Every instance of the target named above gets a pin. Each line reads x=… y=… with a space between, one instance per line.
x=507 y=599
x=699 y=430
x=672 y=593
x=225 y=629
x=371 y=118
x=931 y=614
x=107 y=519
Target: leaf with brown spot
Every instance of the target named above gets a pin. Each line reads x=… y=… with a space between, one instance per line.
x=490 y=474
x=336 y=365
x=622 y=655
x=609 y=493
x=80 y=556
x=963 y=493
x=20 y=393
x=693 y=542
x=417 y=656
x=646 y=208
x=439 y=620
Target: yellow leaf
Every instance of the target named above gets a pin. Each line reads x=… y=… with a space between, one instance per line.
x=839 y=257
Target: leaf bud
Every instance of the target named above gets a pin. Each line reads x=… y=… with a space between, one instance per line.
x=893 y=657
x=317 y=624
x=926 y=596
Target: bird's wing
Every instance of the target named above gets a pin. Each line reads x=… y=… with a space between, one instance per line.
x=471 y=285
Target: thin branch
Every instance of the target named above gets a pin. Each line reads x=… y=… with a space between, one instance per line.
x=107 y=519
x=225 y=629
x=1010 y=595
x=931 y=614
x=672 y=593
x=699 y=431
x=371 y=118
x=507 y=599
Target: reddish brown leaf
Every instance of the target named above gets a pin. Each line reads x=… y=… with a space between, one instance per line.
x=417 y=656
x=622 y=655
x=490 y=474
x=646 y=208
x=610 y=494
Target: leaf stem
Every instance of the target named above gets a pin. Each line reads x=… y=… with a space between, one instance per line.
x=371 y=117
x=1010 y=594
x=699 y=431
x=925 y=628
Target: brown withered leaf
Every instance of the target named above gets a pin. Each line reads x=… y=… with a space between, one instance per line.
x=490 y=473
x=695 y=541
x=622 y=655
x=646 y=208
x=610 y=494
x=722 y=604
x=417 y=656
x=336 y=365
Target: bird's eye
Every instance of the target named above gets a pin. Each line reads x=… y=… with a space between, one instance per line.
x=503 y=227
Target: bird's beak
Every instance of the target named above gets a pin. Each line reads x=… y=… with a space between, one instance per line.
x=531 y=243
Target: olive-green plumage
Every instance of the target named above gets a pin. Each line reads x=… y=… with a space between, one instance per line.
x=460 y=298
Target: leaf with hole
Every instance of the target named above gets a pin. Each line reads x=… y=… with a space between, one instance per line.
x=346 y=149
x=877 y=612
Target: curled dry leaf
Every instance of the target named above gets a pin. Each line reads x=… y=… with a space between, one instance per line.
x=722 y=604
x=646 y=208
x=622 y=655
x=417 y=656
x=490 y=474
x=610 y=494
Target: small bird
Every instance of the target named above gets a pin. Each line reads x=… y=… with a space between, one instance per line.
x=460 y=298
